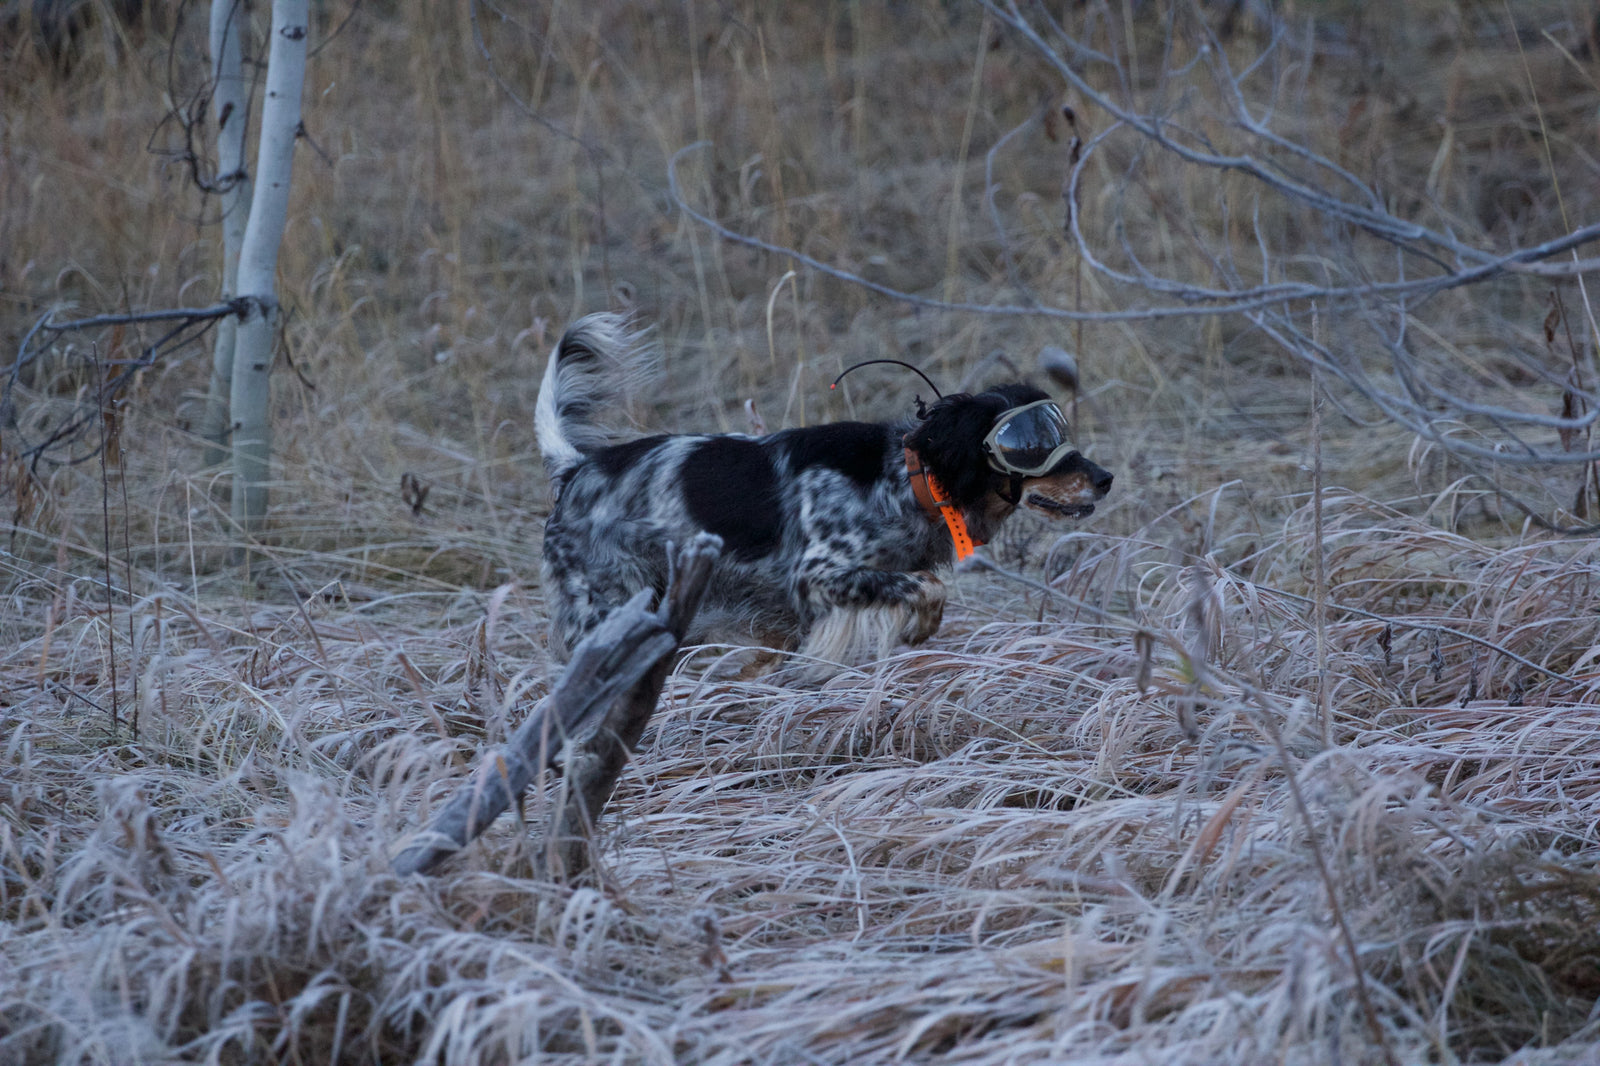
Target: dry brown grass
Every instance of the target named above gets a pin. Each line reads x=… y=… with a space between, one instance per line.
x=995 y=848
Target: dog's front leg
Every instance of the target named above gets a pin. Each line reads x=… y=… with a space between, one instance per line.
x=927 y=608
x=859 y=610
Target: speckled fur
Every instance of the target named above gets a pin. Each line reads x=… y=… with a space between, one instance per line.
x=826 y=549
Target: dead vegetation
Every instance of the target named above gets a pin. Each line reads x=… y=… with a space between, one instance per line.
x=1156 y=792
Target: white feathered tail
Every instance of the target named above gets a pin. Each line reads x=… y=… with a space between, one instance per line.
x=594 y=366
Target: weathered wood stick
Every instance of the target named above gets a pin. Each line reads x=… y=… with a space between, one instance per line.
x=593 y=773
x=623 y=662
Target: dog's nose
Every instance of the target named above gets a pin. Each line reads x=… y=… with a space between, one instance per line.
x=1102 y=481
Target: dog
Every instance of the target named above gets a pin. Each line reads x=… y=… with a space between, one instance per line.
x=831 y=534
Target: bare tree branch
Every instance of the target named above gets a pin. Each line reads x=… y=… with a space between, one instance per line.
x=1197 y=300
x=191 y=322
x=1200 y=115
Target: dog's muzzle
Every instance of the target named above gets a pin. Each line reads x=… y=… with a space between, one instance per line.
x=1070 y=490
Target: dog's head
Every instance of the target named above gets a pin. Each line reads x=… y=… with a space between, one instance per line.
x=963 y=440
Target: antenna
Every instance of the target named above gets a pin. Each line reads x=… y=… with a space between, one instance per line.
x=896 y=362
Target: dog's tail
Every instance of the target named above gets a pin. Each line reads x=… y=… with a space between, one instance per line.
x=588 y=377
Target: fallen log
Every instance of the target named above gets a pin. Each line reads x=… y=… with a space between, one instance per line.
x=602 y=702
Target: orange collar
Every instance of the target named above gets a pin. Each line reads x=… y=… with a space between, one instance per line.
x=936 y=505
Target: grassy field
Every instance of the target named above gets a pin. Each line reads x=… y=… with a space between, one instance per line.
x=1235 y=771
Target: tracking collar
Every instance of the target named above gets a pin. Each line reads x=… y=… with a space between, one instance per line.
x=936 y=504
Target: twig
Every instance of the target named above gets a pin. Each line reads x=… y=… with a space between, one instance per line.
x=192 y=314
x=511 y=94
x=337 y=30
x=105 y=528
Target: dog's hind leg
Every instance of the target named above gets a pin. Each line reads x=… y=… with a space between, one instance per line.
x=581 y=591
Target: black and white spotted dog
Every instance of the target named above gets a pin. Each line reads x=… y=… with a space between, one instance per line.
x=826 y=548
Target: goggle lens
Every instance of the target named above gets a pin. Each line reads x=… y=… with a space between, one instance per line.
x=1025 y=440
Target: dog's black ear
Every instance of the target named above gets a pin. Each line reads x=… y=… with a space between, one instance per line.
x=950 y=441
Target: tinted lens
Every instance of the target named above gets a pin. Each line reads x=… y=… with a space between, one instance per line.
x=1026 y=439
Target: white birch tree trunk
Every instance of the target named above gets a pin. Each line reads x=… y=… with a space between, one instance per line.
x=258 y=263
x=230 y=105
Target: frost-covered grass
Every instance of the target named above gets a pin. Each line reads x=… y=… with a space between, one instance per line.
x=992 y=848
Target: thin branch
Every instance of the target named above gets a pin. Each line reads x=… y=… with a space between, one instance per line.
x=237 y=306
x=46 y=329
x=355 y=6
x=1198 y=301
x=515 y=97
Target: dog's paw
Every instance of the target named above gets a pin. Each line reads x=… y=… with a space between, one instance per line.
x=926 y=608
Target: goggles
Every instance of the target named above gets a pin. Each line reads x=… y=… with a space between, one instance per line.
x=1029 y=441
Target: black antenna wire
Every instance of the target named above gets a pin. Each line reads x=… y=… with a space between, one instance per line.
x=896 y=362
